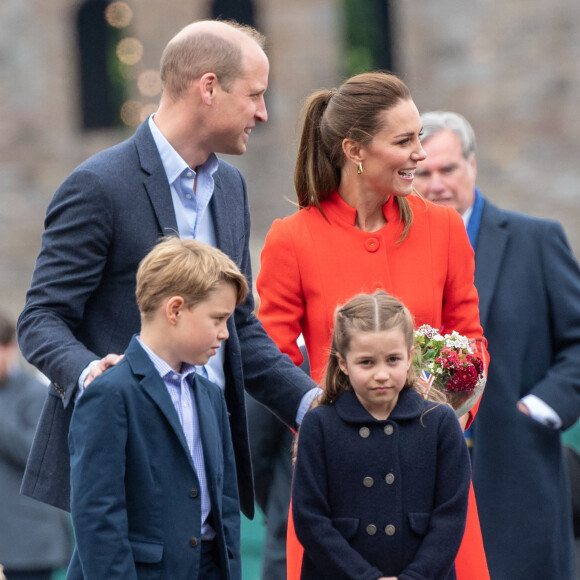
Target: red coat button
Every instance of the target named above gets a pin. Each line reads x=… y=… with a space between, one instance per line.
x=372 y=244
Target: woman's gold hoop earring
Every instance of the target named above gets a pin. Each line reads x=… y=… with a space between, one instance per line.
x=360 y=168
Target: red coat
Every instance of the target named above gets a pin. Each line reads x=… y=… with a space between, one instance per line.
x=312 y=262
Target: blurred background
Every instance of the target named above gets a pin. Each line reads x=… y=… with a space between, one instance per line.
x=77 y=76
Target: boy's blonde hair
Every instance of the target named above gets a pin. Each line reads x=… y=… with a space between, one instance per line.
x=187 y=268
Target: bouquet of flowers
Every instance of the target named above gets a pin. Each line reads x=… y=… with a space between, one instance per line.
x=452 y=364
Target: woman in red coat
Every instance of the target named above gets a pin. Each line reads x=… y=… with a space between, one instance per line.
x=361 y=227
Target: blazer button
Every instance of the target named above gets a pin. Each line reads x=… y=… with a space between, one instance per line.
x=364 y=432
x=193 y=542
x=390 y=530
x=371 y=529
x=368 y=481
x=372 y=244
x=389 y=478
x=193 y=492
x=60 y=390
x=389 y=429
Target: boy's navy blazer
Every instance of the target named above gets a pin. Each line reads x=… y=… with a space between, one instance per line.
x=132 y=473
x=81 y=305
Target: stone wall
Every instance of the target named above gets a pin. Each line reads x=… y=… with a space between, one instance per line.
x=40 y=138
x=512 y=68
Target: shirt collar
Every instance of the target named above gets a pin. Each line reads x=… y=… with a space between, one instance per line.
x=173 y=163
x=410 y=405
x=162 y=367
x=466 y=215
x=336 y=206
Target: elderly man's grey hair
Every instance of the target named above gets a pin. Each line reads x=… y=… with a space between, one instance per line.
x=436 y=121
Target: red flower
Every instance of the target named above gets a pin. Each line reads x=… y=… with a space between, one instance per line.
x=462 y=380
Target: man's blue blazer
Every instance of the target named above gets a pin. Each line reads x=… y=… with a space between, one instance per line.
x=81 y=305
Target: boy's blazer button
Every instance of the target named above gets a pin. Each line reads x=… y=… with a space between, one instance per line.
x=390 y=530
x=368 y=481
x=389 y=478
x=371 y=529
x=193 y=542
x=193 y=492
x=389 y=429
x=364 y=432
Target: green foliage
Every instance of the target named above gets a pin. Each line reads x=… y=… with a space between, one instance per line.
x=366 y=35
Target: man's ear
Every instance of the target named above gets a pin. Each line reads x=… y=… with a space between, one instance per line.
x=173 y=309
x=207 y=86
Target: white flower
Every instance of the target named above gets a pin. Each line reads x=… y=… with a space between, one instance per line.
x=456 y=341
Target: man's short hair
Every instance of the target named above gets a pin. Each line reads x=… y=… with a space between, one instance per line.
x=191 y=54
x=436 y=121
x=187 y=268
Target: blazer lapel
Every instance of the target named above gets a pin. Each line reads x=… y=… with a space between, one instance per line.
x=154 y=386
x=220 y=212
x=156 y=183
x=207 y=427
x=491 y=244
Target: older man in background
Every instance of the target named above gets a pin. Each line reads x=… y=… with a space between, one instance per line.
x=529 y=287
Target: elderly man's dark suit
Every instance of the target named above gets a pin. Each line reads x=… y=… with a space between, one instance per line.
x=81 y=305
x=133 y=474
x=529 y=289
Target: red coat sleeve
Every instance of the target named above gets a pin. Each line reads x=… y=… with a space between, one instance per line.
x=461 y=301
x=281 y=298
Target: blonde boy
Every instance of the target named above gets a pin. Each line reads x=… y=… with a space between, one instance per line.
x=153 y=477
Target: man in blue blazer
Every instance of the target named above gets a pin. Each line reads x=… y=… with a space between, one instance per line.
x=80 y=311
x=529 y=289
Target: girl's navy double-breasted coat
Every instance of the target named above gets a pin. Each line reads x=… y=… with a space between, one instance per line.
x=380 y=498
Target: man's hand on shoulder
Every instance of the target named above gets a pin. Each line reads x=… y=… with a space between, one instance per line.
x=101 y=366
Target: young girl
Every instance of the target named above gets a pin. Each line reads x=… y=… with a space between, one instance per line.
x=382 y=476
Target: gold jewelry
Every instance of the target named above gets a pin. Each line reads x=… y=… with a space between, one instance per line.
x=360 y=168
